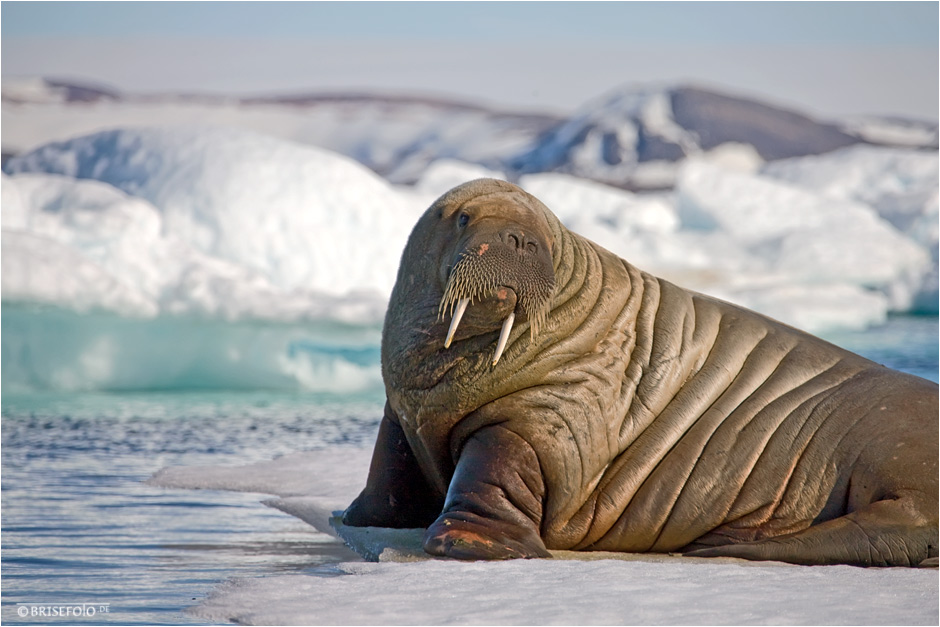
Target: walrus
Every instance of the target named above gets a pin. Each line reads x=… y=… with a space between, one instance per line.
x=544 y=394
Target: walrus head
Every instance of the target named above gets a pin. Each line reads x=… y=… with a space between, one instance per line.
x=482 y=263
x=479 y=261
x=500 y=262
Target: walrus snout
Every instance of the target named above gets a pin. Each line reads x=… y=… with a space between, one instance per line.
x=490 y=263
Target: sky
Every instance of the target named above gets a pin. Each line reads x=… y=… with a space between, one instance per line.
x=826 y=58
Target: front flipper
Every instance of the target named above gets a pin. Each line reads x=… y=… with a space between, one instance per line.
x=396 y=493
x=494 y=505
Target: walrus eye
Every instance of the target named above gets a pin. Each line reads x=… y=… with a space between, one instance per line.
x=463 y=220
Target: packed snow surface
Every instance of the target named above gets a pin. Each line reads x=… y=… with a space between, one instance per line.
x=169 y=224
x=641 y=590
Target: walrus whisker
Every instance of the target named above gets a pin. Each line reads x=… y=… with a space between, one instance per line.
x=475 y=277
x=458 y=314
x=504 y=337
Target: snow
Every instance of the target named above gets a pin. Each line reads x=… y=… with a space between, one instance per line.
x=234 y=225
x=900 y=185
x=559 y=593
x=573 y=588
x=212 y=222
x=893 y=132
x=807 y=238
x=600 y=139
x=285 y=210
x=582 y=204
x=31 y=89
x=397 y=139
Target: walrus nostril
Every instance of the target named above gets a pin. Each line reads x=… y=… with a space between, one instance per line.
x=513 y=239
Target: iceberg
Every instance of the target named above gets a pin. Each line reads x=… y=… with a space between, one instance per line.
x=86 y=245
x=901 y=185
x=233 y=224
x=581 y=204
x=805 y=237
x=51 y=348
x=301 y=217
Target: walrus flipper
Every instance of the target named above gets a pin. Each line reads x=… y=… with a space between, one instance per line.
x=884 y=533
x=396 y=493
x=494 y=504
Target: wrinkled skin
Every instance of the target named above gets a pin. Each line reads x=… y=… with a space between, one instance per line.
x=638 y=417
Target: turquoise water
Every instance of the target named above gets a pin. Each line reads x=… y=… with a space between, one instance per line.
x=906 y=343
x=80 y=527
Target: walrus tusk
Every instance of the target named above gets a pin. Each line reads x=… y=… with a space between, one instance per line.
x=458 y=314
x=504 y=336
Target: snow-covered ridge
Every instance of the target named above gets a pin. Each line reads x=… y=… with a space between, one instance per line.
x=633 y=137
x=636 y=137
x=892 y=131
x=396 y=136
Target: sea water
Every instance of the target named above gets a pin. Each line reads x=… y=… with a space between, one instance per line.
x=81 y=530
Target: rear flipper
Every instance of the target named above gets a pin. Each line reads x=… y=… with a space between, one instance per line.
x=884 y=533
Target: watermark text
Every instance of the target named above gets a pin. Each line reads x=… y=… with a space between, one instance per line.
x=61 y=610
